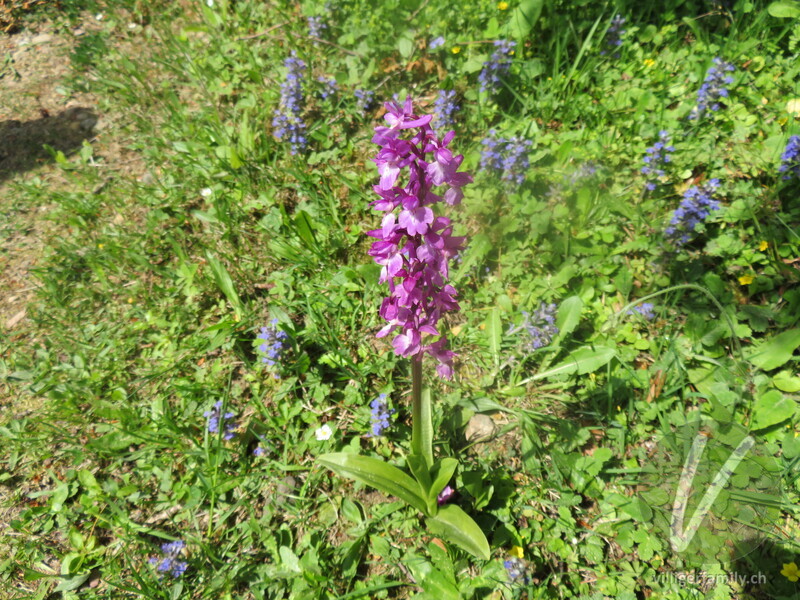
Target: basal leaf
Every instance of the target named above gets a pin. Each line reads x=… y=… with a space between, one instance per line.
x=777 y=351
x=378 y=474
x=785 y=9
x=524 y=18
x=583 y=360
x=569 y=315
x=224 y=282
x=457 y=527
x=772 y=408
x=303 y=225
x=434 y=583
x=441 y=474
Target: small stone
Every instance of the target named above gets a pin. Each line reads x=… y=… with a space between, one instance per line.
x=15 y=319
x=88 y=122
x=479 y=428
x=286 y=488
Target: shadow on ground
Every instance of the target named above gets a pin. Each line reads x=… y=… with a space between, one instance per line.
x=22 y=145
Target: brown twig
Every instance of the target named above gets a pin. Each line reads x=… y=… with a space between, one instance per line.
x=345 y=50
x=263 y=33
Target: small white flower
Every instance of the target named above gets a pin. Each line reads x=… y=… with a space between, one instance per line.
x=99 y=16
x=209 y=3
x=206 y=192
x=132 y=25
x=323 y=433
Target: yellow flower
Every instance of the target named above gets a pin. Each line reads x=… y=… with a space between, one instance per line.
x=502 y=5
x=517 y=552
x=791 y=572
x=455 y=49
x=763 y=246
x=100 y=246
x=649 y=62
x=746 y=279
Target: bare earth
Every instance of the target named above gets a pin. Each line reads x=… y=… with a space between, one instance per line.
x=38 y=107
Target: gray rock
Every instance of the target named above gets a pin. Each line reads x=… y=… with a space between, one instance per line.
x=479 y=428
x=42 y=38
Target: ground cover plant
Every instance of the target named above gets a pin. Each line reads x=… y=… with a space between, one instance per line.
x=614 y=413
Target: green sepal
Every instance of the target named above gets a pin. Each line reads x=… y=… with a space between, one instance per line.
x=455 y=526
x=378 y=474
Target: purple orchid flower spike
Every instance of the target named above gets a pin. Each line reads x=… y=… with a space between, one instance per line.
x=413 y=245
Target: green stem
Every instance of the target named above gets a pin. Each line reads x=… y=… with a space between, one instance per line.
x=421 y=425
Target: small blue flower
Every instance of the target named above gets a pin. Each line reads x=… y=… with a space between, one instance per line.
x=539 y=327
x=696 y=206
x=329 y=86
x=497 y=65
x=713 y=88
x=436 y=43
x=261 y=449
x=364 y=99
x=274 y=344
x=316 y=26
x=790 y=159
x=169 y=564
x=517 y=571
x=506 y=156
x=614 y=35
x=645 y=309
x=215 y=417
x=656 y=159
x=380 y=415
x=444 y=108
x=288 y=120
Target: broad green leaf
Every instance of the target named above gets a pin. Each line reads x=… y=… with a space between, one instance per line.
x=351 y=511
x=229 y=154
x=289 y=559
x=785 y=9
x=224 y=282
x=377 y=474
x=583 y=360
x=569 y=315
x=457 y=527
x=60 y=496
x=638 y=509
x=434 y=583
x=405 y=46
x=786 y=383
x=304 y=228
x=483 y=405
x=772 y=408
x=89 y=482
x=441 y=474
x=246 y=137
x=777 y=351
x=494 y=332
x=524 y=18
x=71 y=582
